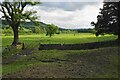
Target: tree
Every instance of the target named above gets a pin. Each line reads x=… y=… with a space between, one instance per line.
x=14 y=14
x=108 y=20
x=51 y=29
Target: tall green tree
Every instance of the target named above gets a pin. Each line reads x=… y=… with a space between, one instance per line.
x=14 y=13
x=51 y=29
x=108 y=21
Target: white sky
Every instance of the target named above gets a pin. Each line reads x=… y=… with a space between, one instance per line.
x=69 y=19
x=70 y=15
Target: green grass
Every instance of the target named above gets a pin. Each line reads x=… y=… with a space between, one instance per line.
x=7 y=69
x=90 y=58
x=32 y=41
x=35 y=39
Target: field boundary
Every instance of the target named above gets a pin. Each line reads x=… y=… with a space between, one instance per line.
x=92 y=45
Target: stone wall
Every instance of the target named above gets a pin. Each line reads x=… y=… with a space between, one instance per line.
x=77 y=46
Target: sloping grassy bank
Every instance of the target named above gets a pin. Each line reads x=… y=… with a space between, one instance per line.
x=95 y=63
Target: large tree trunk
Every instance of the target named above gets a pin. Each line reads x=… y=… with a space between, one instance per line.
x=15 y=41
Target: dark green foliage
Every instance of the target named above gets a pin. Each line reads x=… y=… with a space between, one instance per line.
x=51 y=29
x=38 y=30
x=85 y=30
x=108 y=19
x=24 y=31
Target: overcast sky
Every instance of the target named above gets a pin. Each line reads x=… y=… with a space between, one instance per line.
x=69 y=15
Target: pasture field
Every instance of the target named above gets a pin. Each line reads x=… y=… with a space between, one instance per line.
x=35 y=39
x=34 y=63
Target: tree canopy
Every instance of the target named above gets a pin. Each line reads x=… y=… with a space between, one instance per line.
x=108 y=19
x=14 y=12
x=51 y=29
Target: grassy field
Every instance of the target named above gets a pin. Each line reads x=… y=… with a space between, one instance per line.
x=95 y=63
x=91 y=63
x=32 y=41
x=57 y=39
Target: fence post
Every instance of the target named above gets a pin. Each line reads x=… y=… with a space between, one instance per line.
x=39 y=46
x=23 y=46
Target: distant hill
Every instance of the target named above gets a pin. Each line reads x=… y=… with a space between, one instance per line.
x=31 y=24
x=26 y=24
x=43 y=25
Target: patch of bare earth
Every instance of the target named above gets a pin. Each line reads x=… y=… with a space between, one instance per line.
x=19 y=55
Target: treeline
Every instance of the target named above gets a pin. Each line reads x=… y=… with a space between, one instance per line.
x=22 y=30
x=77 y=30
x=30 y=28
x=48 y=29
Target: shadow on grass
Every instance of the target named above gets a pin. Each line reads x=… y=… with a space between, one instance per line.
x=100 y=63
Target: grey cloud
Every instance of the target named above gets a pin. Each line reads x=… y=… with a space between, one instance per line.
x=67 y=6
x=67 y=15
